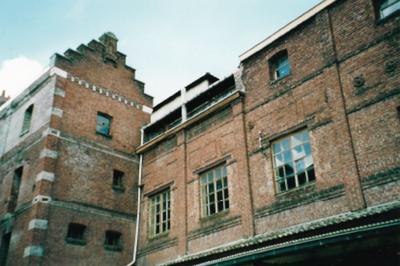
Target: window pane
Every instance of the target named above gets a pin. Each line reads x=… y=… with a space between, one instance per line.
x=277 y=148
x=287 y=156
x=103 y=124
x=291 y=182
x=289 y=170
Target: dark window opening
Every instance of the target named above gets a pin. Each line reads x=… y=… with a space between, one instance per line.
x=398 y=112
x=26 y=123
x=76 y=234
x=112 y=241
x=16 y=184
x=103 y=126
x=5 y=245
x=385 y=8
x=279 y=65
x=118 y=183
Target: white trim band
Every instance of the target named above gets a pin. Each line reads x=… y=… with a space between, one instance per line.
x=45 y=176
x=40 y=224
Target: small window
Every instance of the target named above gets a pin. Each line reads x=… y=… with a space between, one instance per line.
x=103 y=124
x=293 y=164
x=15 y=187
x=26 y=123
x=279 y=65
x=117 y=182
x=160 y=213
x=387 y=7
x=214 y=190
x=112 y=241
x=76 y=234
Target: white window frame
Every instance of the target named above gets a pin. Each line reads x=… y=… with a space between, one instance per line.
x=214 y=190
x=290 y=155
x=160 y=207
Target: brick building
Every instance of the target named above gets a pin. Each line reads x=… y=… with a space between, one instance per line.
x=68 y=168
x=292 y=160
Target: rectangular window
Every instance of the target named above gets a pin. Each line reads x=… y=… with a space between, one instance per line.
x=16 y=184
x=117 y=182
x=103 y=124
x=112 y=241
x=387 y=7
x=160 y=212
x=279 y=65
x=26 y=123
x=76 y=234
x=214 y=190
x=293 y=164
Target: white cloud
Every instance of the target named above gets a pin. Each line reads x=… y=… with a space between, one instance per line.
x=17 y=74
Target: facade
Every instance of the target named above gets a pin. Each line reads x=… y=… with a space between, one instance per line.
x=68 y=169
x=292 y=160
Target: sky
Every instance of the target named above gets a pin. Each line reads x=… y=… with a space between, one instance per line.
x=169 y=42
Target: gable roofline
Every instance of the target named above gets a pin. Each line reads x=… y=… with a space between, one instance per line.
x=287 y=28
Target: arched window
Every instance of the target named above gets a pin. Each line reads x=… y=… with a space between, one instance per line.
x=26 y=123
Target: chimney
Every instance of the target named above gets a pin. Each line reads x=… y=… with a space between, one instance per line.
x=110 y=43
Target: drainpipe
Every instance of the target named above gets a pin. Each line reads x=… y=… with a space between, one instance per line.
x=138 y=205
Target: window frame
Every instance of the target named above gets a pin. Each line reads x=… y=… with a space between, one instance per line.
x=156 y=228
x=118 y=175
x=71 y=239
x=109 y=119
x=211 y=174
x=27 y=120
x=277 y=62
x=378 y=9
x=288 y=152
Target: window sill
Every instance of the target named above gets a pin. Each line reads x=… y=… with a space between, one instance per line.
x=159 y=236
x=298 y=190
x=104 y=135
x=275 y=81
x=73 y=241
x=118 y=189
x=214 y=216
x=113 y=248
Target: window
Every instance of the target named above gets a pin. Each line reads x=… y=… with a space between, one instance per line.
x=387 y=7
x=112 y=241
x=279 y=65
x=103 y=124
x=214 y=190
x=76 y=234
x=293 y=164
x=160 y=212
x=117 y=183
x=16 y=184
x=26 y=123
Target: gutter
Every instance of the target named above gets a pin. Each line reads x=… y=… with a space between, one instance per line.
x=140 y=187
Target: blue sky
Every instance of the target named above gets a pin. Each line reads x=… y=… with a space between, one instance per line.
x=168 y=42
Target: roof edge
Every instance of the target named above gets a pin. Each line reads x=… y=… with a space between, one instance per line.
x=285 y=29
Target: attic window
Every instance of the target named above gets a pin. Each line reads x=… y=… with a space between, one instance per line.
x=26 y=123
x=279 y=65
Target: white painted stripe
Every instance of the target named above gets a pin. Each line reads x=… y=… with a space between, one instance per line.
x=45 y=176
x=57 y=112
x=40 y=224
x=147 y=109
x=34 y=251
x=48 y=153
x=41 y=198
x=59 y=72
x=59 y=92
